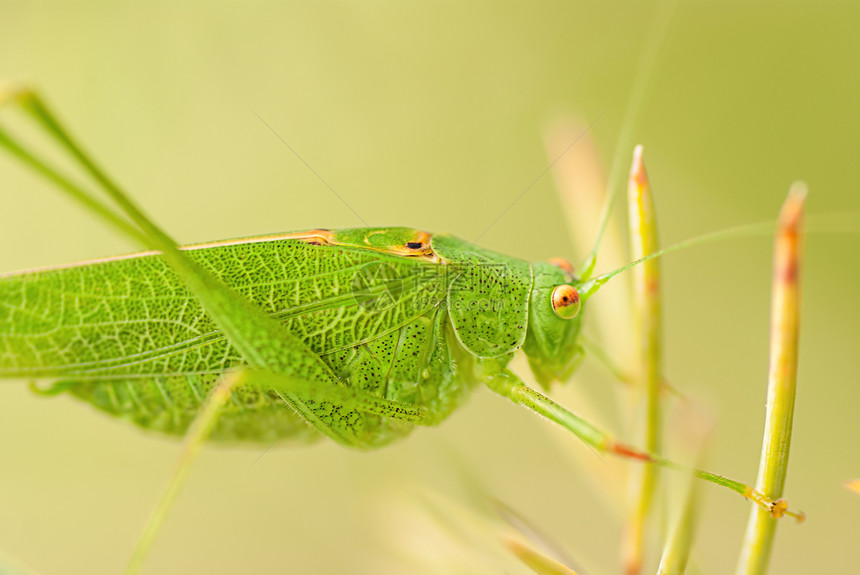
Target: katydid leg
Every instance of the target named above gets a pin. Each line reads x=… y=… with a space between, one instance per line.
x=509 y=385
x=311 y=392
x=197 y=434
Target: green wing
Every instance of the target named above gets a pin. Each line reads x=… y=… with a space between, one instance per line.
x=127 y=336
x=134 y=316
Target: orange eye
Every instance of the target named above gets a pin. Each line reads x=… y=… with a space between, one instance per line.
x=565 y=301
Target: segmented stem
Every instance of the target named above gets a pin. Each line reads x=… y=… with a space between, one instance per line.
x=782 y=380
x=646 y=281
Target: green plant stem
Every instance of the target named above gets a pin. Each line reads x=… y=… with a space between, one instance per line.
x=646 y=281
x=782 y=379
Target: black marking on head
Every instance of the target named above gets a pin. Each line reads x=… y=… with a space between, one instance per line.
x=414 y=245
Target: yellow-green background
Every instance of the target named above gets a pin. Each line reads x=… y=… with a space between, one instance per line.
x=431 y=115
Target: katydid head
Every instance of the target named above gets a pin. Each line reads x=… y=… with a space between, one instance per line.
x=557 y=299
x=555 y=315
x=555 y=312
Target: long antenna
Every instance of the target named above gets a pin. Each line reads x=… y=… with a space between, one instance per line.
x=645 y=69
x=589 y=287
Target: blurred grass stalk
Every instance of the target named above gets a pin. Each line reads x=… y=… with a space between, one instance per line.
x=646 y=281
x=581 y=189
x=782 y=379
x=536 y=561
x=676 y=553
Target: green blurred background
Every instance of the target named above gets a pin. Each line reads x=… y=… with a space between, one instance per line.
x=432 y=115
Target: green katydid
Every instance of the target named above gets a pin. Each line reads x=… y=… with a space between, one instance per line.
x=358 y=335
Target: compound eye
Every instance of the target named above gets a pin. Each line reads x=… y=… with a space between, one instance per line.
x=565 y=301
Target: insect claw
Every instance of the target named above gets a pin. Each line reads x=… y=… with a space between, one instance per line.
x=780 y=509
x=777 y=508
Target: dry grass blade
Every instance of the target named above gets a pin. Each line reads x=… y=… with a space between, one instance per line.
x=646 y=279
x=782 y=379
x=537 y=561
x=581 y=188
x=529 y=532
